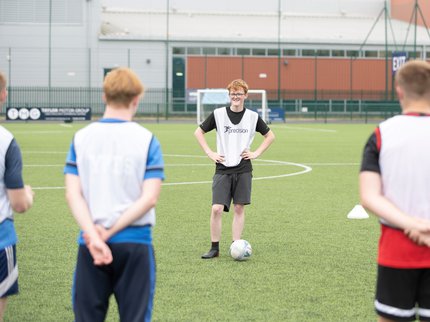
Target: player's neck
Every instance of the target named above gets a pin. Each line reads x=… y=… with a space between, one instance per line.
x=122 y=113
x=416 y=107
x=236 y=108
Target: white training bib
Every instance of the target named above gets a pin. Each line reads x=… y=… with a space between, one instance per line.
x=233 y=139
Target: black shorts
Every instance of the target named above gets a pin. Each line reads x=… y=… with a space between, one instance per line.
x=402 y=294
x=130 y=277
x=228 y=187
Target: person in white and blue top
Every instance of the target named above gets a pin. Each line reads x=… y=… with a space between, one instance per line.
x=113 y=174
x=14 y=196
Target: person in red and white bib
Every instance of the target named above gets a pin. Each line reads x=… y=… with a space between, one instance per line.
x=395 y=186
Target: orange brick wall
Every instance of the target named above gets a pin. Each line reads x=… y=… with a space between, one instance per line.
x=332 y=74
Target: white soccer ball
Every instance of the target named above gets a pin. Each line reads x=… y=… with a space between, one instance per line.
x=240 y=250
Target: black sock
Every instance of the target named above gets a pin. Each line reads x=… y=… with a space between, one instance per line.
x=215 y=245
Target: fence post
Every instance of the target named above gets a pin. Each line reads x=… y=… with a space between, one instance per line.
x=9 y=81
x=158 y=112
x=325 y=113
x=167 y=104
x=365 y=113
x=315 y=110
x=89 y=79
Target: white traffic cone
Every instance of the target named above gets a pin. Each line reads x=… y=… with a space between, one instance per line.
x=358 y=212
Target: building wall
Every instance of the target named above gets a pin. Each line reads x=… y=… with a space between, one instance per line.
x=81 y=66
x=297 y=74
x=147 y=59
x=73 y=55
x=42 y=49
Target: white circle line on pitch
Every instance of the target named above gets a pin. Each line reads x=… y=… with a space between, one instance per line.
x=305 y=168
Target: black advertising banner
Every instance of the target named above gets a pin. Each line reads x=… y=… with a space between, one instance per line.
x=48 y=114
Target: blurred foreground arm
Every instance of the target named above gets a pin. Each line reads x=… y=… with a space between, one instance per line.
x=151 y=189
x=373 y=199
x=20 y=196
x=21 y=199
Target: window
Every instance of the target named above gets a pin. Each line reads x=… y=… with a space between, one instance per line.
x=370 y=53
x=259 y=51
x=323 y=52
x=224 y=51
x=384 y=54
x=178 y=50
x=289 y=52
x=308 y=52
x=243 y=51
x=193 y=50
x=352 y=53
x=209 y=51
x=272 y=52
x=411 y=54
x=338 y=53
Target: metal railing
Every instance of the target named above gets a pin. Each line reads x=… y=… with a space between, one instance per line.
x=158 y=103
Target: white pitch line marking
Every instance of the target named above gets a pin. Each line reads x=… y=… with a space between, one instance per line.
x=47 y=188
x=302 y=128
x=333 y=164
x=42 y=165
x=44 y=152
x=276 y=162
x=38 y=132
x=166 y=165
x=184 y=156
x=211 y=165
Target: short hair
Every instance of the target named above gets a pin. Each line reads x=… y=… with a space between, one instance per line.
x=238 y=84
x=414 y=78
x=2 y=81
x=121 y=86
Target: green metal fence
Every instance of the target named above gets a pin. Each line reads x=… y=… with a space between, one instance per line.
x=325 y=111
x=160 y=104
x=153 y=103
